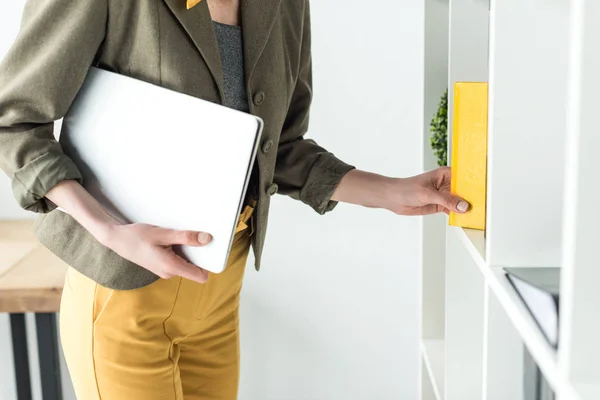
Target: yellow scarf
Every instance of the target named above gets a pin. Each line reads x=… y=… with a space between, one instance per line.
x=192 y=3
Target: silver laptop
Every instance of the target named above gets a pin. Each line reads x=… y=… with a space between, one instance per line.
x=156 y=156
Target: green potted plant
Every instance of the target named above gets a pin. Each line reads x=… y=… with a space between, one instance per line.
x=439 y=131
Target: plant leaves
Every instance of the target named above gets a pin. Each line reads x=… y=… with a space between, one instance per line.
x=439 y=130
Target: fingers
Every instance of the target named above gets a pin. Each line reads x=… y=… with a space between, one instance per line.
x=169 y=237
x=173 y=265
x=441 y=195
x=433 y=209
x=428 y=209
x=441 y=176
x=451 y=202
x=455 y=203
x=443 y=172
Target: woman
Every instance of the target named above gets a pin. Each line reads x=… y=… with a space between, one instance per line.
x=139 y=322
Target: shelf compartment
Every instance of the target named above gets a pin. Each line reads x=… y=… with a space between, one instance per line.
x=474 y=242
x=432 y=276
x=503 y=353
x=527 y=99
x=433 y=354
x=464 y=335
x=583 y=391
x=542 y=352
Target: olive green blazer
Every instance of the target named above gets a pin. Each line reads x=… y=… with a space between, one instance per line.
x=161 y=42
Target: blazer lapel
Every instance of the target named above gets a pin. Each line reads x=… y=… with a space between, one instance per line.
x=199 y=26
x=258 y=17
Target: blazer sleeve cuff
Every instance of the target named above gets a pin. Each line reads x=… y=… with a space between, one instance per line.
x=322 y=181
x=34 y=180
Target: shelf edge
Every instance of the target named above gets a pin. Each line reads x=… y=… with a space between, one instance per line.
x=474 y=241
x=437 y=382
x=543 y=354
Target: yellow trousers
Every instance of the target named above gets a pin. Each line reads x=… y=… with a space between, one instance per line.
x=174 y=339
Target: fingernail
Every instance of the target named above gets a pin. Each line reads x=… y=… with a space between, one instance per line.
x=204 y=237
x=463 y=206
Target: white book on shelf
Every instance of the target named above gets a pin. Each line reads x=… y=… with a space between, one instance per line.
x=539 y=290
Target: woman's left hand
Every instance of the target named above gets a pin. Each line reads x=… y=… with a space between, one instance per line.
x=425 y=194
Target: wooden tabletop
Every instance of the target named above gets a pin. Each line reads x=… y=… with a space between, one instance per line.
x=31 y=277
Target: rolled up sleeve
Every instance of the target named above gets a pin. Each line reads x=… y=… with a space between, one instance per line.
x=306 y=171
x=31 y=182
x=39 y=78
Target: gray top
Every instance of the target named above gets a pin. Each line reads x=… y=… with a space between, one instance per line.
x=231 y=47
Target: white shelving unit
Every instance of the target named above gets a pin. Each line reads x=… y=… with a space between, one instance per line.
x=540 y=58
x=432 y=352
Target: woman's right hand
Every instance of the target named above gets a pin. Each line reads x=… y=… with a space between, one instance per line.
x=145 y=245
x=152 y=248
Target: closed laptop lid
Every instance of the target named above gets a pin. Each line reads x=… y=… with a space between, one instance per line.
x=156 y=156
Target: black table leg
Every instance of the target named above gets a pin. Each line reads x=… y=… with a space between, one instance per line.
x=21 y=356
x=49 y=355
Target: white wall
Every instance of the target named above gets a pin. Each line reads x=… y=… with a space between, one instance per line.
x=337 y=321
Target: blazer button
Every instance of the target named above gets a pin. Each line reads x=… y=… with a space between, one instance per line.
x=259 y=98
x=267 y=146
x=273 y=189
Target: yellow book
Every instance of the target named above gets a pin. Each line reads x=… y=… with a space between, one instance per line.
x=469 y=152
